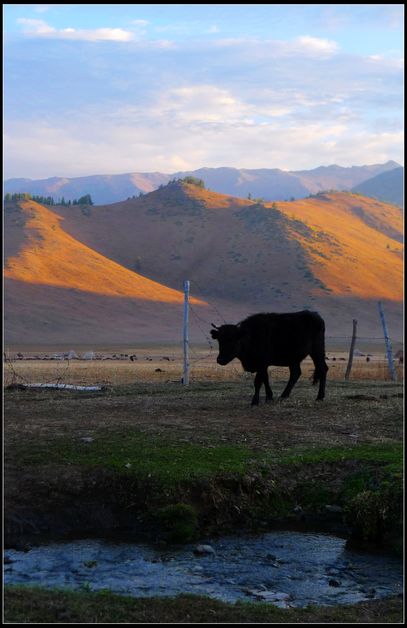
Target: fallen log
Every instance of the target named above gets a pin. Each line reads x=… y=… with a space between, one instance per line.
x=62 y=386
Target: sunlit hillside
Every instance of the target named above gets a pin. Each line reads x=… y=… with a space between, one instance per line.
x=116 y=271
x=345 y=238
x=339 y=243
x=51 y=257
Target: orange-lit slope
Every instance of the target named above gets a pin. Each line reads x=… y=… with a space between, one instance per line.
x=214 y=200
x=51 y=257
x=350 y=256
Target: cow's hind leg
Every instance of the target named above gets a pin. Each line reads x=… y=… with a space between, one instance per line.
x=322 y=382
x=261 y=378
x=295 y=372
x=321 y=370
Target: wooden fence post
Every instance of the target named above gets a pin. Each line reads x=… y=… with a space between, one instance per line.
x=351 y=350
x=388 y=344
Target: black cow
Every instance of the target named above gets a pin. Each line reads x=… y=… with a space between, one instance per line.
x=268 y=339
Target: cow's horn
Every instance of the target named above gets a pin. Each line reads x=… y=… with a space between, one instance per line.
x=214 y=326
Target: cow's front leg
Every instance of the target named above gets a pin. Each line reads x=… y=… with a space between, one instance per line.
x=258 y=380
x=269 y=392
x=295 y=372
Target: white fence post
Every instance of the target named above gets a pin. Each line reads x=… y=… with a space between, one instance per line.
x=185 y=379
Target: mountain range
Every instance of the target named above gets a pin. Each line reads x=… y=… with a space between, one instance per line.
x=269 y=184
x=114 y=273
x=387 y=186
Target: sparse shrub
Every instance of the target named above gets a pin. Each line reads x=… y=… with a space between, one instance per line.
x=362 y=514
x=375 y=516
x=18 y=196
x=179 y=522
x=84 y=200
x=194 y=181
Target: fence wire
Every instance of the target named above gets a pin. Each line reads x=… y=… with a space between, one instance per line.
x=369 y=360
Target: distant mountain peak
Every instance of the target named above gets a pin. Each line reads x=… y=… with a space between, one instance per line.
x=270 y=184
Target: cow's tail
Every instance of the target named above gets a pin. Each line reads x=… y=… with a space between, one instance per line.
x=318 y=356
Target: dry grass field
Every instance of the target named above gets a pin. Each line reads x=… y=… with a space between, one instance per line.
x=165 y=364
x=147 y=394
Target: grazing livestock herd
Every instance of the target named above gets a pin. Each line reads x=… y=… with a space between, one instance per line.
x=267 y=339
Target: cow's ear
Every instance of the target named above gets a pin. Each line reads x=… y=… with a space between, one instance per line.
x=214 y=333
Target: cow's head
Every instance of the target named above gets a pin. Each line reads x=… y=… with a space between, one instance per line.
x=228 y=337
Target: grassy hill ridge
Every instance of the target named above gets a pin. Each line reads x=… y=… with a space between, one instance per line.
x=336 y=253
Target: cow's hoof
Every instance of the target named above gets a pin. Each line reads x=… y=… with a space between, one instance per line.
x=255 y=402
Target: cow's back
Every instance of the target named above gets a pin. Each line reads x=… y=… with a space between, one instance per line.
x=281 y=339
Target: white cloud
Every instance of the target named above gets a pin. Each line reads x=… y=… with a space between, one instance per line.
x=40 y=28
x=37 y=27
x=166 y=106
x=43 y=8
x=200 y=103
x=140 y=22
x=304 y=45
x=391 y=60
x=190 y=135
x=315 y=46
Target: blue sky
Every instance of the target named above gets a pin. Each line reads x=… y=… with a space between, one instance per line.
x=109 y=89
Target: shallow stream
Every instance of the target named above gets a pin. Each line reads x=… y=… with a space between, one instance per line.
x=285 y=568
